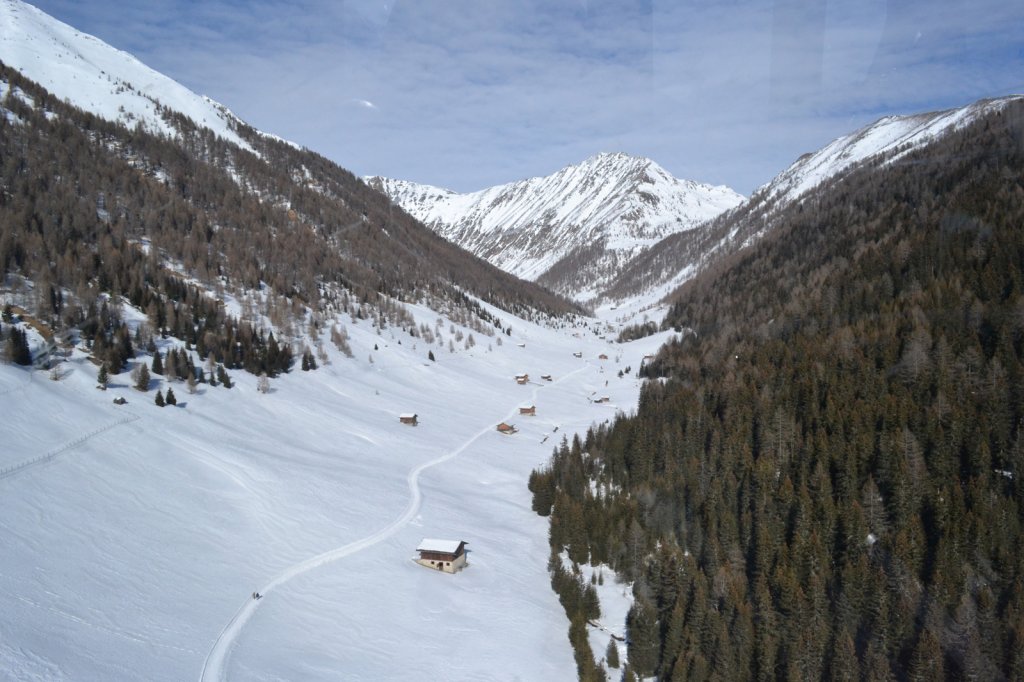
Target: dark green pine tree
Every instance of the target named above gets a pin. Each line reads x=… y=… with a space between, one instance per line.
x=274 y=356
x=926 y=662
x=101 y=376
x=222 y=377
x=171 y=400
x=142 y=381
x=542 y=485
x=591 y=605
x=17 y=347
x=159 y=400
x=430 y=355
x=305 y=362
x=611 y=654
x=843 y=660
x=158 y=364
x=642 y=631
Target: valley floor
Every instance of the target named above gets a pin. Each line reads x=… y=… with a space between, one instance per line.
x=134 y=536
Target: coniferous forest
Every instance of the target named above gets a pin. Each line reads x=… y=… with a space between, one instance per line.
x=824 y=479
x=90 y=208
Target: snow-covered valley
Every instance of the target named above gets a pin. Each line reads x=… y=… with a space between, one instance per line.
x=133 y=554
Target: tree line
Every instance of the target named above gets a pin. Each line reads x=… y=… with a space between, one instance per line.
x=90 y=208
x=827 y=479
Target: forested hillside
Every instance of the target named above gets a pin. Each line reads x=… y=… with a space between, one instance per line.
x=89 y=207
x=824 y=478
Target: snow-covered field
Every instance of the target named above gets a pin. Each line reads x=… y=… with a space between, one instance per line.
x=133 y=541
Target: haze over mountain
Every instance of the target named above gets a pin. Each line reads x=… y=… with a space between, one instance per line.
x=572 y=230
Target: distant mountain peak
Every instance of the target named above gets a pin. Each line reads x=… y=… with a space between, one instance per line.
x=570 y=230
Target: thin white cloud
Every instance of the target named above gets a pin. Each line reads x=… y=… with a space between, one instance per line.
x=466 y=93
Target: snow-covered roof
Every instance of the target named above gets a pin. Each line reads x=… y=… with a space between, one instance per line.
x=407 y=415
x=432 y=545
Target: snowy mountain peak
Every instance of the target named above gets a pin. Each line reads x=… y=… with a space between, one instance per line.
x=96 y=77
x=570 y=230
x=661 y=269
x=889 y=135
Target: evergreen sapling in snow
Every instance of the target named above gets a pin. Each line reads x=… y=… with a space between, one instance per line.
x=141 y=374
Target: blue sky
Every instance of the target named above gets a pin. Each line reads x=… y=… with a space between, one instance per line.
x=470 y=93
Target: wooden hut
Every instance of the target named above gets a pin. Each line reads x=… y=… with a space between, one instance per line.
x=528 y=409
x=442 y=555
x=545 y=377
x=408 y=418
x=507 y=429
x=522 y=378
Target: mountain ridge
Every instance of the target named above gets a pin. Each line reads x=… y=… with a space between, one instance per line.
x=226 y=204
x=97 y=77
x=531 y=227
x=670 y=263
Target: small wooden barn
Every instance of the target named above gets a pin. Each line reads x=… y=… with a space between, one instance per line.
x=578 y=354
x=442 y=555
x=522 y=378
x=507 y=429
x=603 y=399
x=528 y=409
x=602 y=356
x=545 y=377
x=408 y=418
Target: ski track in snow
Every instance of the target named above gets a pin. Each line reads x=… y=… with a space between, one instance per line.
x=216 y=661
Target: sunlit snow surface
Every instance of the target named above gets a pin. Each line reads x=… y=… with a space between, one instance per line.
x=894 y=135
x=526 y=227
x=94 y=76
x=128 y=553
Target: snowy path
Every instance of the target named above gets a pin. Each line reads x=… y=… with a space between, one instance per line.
x=214 y=667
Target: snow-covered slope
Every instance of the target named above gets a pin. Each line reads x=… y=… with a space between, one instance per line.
x=94 y=76
x=662 y=268
x=134 y=535
x=892 y=136
x=571 y=229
